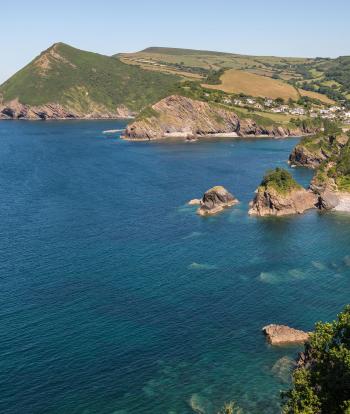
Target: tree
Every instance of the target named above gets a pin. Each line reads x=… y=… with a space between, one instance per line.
x=321 y=382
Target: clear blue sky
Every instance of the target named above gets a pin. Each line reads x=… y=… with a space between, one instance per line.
x=263 y=27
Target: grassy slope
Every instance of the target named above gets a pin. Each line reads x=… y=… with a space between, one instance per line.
x=85 y=80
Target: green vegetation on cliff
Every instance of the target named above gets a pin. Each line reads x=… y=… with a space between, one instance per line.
x=280 y=180
x=321 y=383
x=85 y=81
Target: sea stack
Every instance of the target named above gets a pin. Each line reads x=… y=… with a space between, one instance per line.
x=216 y=200
x=279 y=194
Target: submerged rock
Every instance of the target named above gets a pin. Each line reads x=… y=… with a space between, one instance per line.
x=283 y=335
x=283 y=368
x=215 y=200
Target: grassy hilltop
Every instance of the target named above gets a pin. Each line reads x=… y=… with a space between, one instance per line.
x=85 y=81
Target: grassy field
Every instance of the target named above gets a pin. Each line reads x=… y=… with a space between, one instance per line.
x=316 y=95
x=236 y=81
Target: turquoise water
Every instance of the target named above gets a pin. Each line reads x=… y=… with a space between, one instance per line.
x=117 y=298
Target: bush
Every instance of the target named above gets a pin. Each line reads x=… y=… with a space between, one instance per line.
x=280 y=179
x=321 y=384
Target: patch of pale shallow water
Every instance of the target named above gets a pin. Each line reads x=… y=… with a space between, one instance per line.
x=282 y=277
x=193 y=235
x=318 y=265
x=202 y=266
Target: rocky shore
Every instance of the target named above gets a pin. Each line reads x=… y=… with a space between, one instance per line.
x=214 y=201
x=182 y=117
x=15 y=110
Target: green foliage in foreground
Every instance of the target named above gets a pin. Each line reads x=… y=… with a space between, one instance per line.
x=81 y=79
x=281 y=180
x=322 y=384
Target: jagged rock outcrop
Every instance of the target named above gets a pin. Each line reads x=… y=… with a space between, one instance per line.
x=311 y=152
x=17 y=110
x=270 y=202
x=179 y=116
x=284 y=335
x=302 y=156
x=214 y=201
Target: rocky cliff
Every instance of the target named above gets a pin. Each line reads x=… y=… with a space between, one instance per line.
x=17 y=110
x=312 y=151
x=179 y=116
x=330 y=156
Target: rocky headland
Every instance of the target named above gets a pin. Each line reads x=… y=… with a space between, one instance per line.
x=284 y=335
x=279 y=194
x=181 y=117
x=329 y=155
x=214 y=201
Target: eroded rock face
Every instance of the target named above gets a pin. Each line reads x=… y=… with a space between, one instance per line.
x=182 y=117
x=301 y=156
x=283 y=335
x=17 y=110
x=269 y=202
x=215 y=200
x=328 y=200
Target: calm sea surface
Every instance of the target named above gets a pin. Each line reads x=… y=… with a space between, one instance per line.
x=116 y=298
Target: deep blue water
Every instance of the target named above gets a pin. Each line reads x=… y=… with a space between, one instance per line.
x=117 y=298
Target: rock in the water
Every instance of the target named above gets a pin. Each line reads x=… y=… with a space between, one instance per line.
x=279 y=194
x=269 y=202
x=195 y=202
x=215 y=200
x=328 y=200
x=283 y=335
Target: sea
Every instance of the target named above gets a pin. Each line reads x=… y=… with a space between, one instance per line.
x=116 y=298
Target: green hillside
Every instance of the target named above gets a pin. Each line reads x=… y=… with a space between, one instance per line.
x=329 y=77
x=85 y=81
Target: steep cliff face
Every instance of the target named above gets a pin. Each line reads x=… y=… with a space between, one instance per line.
x=178 y=116
x=330 y=156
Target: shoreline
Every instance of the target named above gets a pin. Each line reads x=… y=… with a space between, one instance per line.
x=229 y=135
